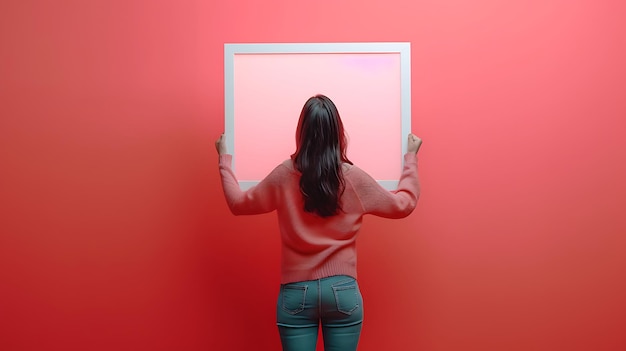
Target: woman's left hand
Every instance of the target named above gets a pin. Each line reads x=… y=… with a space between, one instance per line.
x=220 y=145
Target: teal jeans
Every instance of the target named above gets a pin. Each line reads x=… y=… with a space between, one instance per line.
x=334 y=302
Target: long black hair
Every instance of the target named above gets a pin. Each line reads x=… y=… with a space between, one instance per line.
x=321 y=151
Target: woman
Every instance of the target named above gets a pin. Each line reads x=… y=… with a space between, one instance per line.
x=320 y=198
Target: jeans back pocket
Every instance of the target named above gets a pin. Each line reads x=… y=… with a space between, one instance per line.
x=293 y=298
x=347 y=296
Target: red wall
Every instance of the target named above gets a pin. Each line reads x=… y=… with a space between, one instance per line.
x=115 y=234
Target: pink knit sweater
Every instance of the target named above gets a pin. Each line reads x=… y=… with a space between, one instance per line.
x=314 y=247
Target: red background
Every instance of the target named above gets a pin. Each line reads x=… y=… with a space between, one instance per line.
x=115 y=234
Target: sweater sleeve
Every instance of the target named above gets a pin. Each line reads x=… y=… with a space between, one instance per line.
x=398 y=203
x=256 y=200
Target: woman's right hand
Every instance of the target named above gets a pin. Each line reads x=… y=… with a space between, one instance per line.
x=413 y=143
x=220 y=145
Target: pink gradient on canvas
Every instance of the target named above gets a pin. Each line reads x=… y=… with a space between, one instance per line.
x=270 y=90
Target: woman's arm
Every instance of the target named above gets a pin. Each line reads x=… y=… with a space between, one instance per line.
x=399 y=203
x=256 y=200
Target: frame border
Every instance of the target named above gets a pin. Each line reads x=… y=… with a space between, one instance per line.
x=230 y=50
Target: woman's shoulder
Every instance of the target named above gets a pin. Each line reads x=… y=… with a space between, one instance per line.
x=348 y=169
x=355 y=173
x=281 y=173
x=288 y=165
